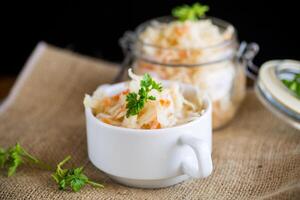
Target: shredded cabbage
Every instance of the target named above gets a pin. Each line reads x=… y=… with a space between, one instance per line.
x=196 y=43
x=170 y=108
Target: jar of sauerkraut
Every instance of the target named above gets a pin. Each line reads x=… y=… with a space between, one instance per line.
x=204 y=53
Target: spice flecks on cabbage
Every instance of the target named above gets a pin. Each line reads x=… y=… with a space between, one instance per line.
x=168 y=108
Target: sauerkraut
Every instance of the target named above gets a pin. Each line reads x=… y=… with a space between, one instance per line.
x=188 y=42
x=168 y=49
x=170 y=107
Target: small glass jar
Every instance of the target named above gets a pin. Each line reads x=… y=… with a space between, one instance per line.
x=219 y=69
x=274 y=95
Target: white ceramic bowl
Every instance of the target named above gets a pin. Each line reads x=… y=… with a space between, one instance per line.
x=151 y=158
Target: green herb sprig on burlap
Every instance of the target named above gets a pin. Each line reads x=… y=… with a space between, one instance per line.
x=15 y=156
x=74 y=178
x=136 y=101
x=192 y=13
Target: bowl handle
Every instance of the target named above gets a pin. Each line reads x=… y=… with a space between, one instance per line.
x=203 y=154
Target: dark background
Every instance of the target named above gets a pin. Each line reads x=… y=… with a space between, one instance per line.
x=93 y=28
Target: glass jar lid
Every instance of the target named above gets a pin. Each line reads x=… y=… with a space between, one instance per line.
x=273 y=93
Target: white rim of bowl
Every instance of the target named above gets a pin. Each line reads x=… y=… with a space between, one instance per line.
x=154 y=131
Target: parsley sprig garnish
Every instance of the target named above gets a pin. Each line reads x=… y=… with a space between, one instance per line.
x=293 y=85
x=73 y=178
x=193 y=13
x=136 y=101
x=15 y=156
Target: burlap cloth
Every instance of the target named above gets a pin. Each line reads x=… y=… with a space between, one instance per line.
x=256 y=157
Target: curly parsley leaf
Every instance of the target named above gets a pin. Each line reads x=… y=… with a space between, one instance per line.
x=15 y=159
x=293 y=85
x=15 y=156
x=136 y=102
x=193 y=13
x=73 y=178
x=3 y=157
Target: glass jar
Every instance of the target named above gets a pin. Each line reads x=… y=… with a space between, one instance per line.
x=274 y=95
x=219 y=69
